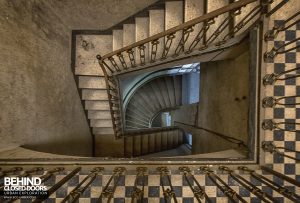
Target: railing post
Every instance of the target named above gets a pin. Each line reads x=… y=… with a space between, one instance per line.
x=139 y=185
x=198 y=191
x=74 y=195
x=166 y=184
x=108 y=191
x=271 y=184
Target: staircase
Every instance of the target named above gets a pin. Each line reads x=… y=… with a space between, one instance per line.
x=148 y=143
x=274 y=177
x=159 y=94
x=139 y=43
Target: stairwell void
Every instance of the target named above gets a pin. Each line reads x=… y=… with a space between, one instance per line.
x=166 y=81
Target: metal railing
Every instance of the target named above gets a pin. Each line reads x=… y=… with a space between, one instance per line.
x=238 y=142
x=106 y=188
x=271 y=79
x=268 y=146
x=182 y=40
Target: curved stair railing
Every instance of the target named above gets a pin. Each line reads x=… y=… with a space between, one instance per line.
x=175 y=44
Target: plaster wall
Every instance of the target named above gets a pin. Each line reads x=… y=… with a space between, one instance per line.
x=39 y=104
x=224 y=103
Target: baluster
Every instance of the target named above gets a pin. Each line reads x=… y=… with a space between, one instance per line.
x=272 y=34
x=154 y=50
x=10 y=171
x=198 y=192
x=104 y=65
x=248 y=185
x=272 y=101
x=142 y=54
x=131 y=58
x=183 y=40
x=168 y=193
x=50 y=173
x=25 y=174
x=269 y=124
x=167 y=45
x=122 y=60
x=270 y=79
x=114 y=64
x=271 y=184
x=244 y=21
x=201 y=35
x=74 y=195
x=224 y=187
x=224 y=24
x=108 y=191
x=281 y=176
x=276 y=50
x=138 y=193
x=269 y=146
x=57 y=185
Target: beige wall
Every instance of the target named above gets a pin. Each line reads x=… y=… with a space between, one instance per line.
x=39 y=104
x=223 y=105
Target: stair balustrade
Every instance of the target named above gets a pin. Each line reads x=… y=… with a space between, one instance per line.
x=133 y=57
x=271 y=79
x=239 y=174
x=269 y=146
x=116 y=62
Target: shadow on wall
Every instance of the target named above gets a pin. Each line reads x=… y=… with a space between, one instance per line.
x=62 y=147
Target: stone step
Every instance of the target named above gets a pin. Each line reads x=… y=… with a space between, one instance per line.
x=92 y=82
x=164 y=142
x=87 y=47
x=97 y=105
x=193 y=9
x=141 y=32
x=128 y=34
x=128 y=146
x=137 y=145
x=101 y=123
x=157 y=142
x=171 y=90
x=177 y=80
x=99 y=114
x=163 y=92
x=88 y=94
x=145 y=144
x=157 y=25
x=214 y=5
x=103 y=131
x=173 y=17
x=117 y=39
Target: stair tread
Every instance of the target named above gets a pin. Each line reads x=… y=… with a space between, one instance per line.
x=97 y=105
x=117 y=39
x=89 y=94
x=101 y=123
x=92 y=82
x=103 y=130
x=87 y=47
x=94 y=114
x=177 y=80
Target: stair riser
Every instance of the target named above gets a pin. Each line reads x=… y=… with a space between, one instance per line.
x=97 y=105
x=101 y=123
x=103 y=131
x=92 y=82
x=94 y=95
x=99 y=115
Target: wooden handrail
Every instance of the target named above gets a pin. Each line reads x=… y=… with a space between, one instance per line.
x=182 y=26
